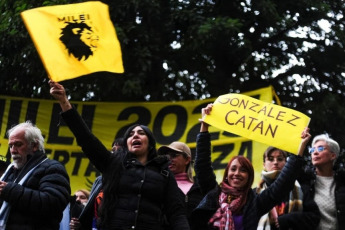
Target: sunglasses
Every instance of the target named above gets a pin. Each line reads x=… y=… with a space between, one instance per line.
x=318 y=149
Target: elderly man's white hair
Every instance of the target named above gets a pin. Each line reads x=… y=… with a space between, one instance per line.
x=32 y=134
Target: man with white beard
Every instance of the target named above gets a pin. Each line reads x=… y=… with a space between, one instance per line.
x=34 y=190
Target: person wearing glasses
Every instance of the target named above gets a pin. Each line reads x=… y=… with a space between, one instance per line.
x=327 y=182
x=181 y=165
x=298 y=209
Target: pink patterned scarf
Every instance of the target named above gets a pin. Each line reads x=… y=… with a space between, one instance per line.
x=230 y=201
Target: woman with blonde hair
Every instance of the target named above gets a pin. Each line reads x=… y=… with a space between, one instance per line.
x=82 y=196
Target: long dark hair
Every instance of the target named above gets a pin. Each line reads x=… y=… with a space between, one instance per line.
x=112 y=176
x=152 y=142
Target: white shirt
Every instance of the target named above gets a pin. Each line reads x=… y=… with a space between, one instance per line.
x=325 y=199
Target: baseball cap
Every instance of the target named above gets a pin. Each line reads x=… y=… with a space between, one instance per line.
x=177 y=147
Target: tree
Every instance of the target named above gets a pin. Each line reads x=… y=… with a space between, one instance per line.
x=177 y=50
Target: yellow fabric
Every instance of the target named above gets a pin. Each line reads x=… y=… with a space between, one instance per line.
x=260 y=121
x=169 y=121
x=74 y=39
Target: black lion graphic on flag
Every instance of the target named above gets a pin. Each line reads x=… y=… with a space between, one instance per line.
x=79 y=39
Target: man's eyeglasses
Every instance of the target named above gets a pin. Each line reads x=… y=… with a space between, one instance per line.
x=318 y=149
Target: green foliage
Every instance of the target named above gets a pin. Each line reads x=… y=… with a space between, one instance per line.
x=179 y=50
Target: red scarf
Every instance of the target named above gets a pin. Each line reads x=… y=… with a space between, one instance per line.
x=97 y=204
x=231 y=201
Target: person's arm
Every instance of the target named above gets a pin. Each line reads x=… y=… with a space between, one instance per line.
x=307 y=219
x=203 y=165
x=90 y=144
x=59 y=93
x=305 y=139
x=51 y=196
x=276 y=192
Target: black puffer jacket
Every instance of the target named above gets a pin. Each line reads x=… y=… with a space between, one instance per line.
x=145 y=192
x=190 y=201
x=256 y=205
x=40 y=202
x=309 y=179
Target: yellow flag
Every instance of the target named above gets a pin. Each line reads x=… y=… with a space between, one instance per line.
x=75 y=39
x=260 y=121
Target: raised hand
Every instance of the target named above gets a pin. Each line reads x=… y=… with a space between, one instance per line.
x=305 y=139
x=205 y=111
x=58 y=92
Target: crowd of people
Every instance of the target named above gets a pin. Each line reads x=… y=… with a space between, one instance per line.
x=142 y=187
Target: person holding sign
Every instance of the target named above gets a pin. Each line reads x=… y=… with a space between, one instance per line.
x=138 y=187
x=233 y=204
x=298 y=210
x=327 y=182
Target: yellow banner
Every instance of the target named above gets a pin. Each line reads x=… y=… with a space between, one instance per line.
x=260 y=121
x=75 y=39
x=169 y=121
